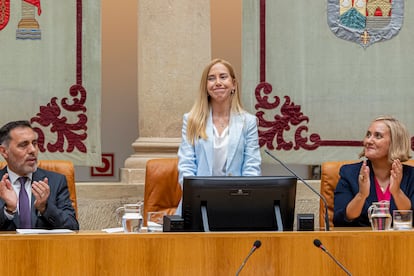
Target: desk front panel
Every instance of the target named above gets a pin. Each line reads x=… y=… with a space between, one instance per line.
x=287 y=253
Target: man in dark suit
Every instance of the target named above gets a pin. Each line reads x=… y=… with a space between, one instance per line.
x=30 y=197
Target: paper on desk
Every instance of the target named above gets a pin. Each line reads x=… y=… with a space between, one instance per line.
x=43 y=231
x=113 y=230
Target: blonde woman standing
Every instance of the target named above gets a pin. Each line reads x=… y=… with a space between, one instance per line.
x=219 y=138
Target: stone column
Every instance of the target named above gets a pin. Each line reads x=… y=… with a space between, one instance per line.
x=173 y=48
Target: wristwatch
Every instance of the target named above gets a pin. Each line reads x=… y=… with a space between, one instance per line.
x=10 y=212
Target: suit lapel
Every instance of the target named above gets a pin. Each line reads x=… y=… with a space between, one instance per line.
x=209 y=143
x=36 y=176
x=235 y=132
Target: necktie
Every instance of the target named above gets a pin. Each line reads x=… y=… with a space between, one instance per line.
x=24 y=206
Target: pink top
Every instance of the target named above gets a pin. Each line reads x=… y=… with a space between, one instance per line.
x=382 y=195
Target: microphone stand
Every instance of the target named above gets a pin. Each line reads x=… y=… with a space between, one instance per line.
x=245 y=260
x=256 y=245
x=307 y=185
x=319 y=244
x=338 y=263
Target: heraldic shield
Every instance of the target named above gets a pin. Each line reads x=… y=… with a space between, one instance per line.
x=365 y=21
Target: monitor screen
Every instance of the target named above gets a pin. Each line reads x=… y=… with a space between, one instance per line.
x=239 y=203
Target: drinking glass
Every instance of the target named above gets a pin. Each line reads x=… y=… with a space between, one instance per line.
x=402 y=219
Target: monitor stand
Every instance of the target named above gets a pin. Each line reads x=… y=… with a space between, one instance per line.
x=204 y=218
x=278 y=217
x=206 y=227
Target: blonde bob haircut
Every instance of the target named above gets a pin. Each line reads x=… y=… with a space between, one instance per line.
x=198 y=115
x=400 y=145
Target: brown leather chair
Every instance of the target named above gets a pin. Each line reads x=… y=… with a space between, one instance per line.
x=64 y=167
x=162 y=189
x=329 y=180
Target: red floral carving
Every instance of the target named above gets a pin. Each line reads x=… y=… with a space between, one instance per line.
x=290 y=113
x=290 y=116
x=73 y=133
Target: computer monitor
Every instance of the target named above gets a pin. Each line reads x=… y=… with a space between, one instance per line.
x=239 y=203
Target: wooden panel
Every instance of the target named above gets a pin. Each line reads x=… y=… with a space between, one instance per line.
x=287 y=253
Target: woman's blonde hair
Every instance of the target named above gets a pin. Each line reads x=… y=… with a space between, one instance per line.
x=198 y=115
x=400 y=145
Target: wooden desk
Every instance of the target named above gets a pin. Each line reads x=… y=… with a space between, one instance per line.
x=287 y=253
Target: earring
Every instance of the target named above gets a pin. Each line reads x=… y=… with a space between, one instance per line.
x=233 y=91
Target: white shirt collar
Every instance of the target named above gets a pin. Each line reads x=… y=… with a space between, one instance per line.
x=14 y=176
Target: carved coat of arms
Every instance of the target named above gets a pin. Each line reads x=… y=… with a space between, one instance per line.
x=365 y=21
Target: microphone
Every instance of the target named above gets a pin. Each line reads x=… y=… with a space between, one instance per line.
x=319 y=244
x=307 y=185
x=256 y=245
